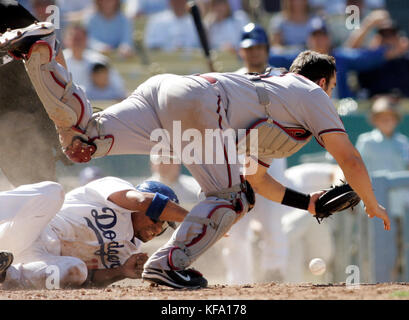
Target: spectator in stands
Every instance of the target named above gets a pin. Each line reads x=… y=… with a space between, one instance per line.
x=338 y=6
x=74 y=10
x=392 y=76
x=254 y=49
x=39 y=8
x=291 y=26
x=361 y=37
x=80 y=58
x=42 y=11
x=110 y=30
x=224 y=25
x=137 y=8
x=347 y=59
x=336 y=14
x=385 y=149
x=172 y=29
x=236 y=5
x=102 y=88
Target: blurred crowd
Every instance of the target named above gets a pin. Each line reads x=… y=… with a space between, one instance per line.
x=370 y=48
x=273 y=243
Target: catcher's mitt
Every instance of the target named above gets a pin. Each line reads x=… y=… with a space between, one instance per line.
x=335 y=199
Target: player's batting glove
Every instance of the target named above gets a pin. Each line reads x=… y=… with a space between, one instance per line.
x=335 y=199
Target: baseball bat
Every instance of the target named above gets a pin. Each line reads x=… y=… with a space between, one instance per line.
x=197 y=19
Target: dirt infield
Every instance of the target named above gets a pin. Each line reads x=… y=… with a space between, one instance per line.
x=137 y=290
x=218 y=289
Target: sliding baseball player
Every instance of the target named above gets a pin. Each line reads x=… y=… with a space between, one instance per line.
x=89 y=237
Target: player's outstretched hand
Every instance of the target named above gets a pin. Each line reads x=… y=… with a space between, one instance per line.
x=313 y=199
x=133 y=267
x=381 y=213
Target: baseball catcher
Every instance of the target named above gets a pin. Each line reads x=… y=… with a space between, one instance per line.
x=93 y=235
x=285 y=110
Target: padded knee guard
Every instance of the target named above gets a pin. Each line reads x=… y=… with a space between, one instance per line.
x=66 y=105
x=64 y=102
x=215 y=226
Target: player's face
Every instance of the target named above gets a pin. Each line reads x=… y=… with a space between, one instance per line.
x=144 y=228
x=328 y=88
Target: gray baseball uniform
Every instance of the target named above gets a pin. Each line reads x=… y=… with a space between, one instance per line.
x=214 y=101
x=230 y=102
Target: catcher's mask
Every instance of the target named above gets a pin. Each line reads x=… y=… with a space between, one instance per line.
x=160 y=188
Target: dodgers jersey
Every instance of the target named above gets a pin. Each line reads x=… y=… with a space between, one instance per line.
x=94 y=229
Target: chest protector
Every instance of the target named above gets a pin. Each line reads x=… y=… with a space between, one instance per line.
x=273 y=140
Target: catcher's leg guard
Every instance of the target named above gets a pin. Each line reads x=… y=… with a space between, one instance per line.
x=65 y=103
x=215 y=226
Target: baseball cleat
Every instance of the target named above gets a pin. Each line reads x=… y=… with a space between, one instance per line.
x=18 y=42
x=183 y=279
x=6 y=259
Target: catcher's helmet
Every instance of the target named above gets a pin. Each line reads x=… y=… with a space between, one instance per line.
x=157 y=187
x=253 y=34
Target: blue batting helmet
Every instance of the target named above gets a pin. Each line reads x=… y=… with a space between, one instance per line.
x=163 y=189
x=157 y=187
x=253 y=34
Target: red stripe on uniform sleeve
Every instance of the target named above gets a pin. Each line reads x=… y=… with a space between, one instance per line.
x=331 y=130
x=260 y=162
x=327 y=131
x=263 y=163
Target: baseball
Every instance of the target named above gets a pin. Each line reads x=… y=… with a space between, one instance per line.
x=317 y=266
